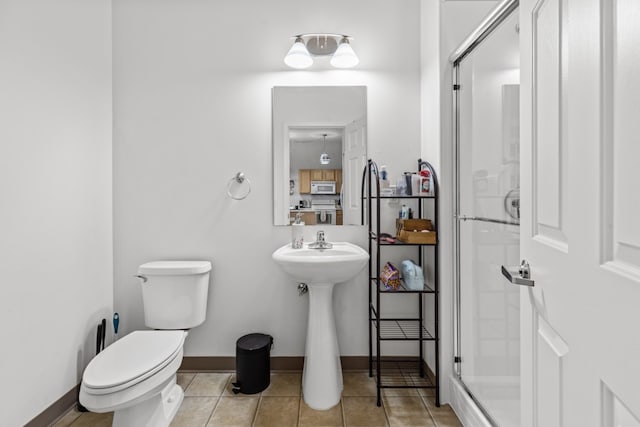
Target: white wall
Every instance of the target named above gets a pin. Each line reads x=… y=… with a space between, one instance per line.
x=55 y=197
x=306 y=155
x=192 y=102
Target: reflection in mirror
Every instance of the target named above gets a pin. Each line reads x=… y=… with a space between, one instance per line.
x=319 y=153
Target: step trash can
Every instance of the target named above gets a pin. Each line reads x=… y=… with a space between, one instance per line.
x=253 y=363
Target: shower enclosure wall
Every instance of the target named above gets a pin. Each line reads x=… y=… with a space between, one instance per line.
x=486 y=98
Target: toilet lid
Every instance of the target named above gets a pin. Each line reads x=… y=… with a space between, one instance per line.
x=134 y=357
x=171 y=268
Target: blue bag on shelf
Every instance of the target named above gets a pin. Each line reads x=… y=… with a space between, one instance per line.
x=413 y=275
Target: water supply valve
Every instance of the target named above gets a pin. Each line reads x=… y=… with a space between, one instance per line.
x=302 y=289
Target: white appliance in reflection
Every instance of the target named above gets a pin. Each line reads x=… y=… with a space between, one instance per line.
x=325 y=211
x=323 y=187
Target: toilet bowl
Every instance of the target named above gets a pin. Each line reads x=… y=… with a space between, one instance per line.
x=135 y=377
x=139 y=367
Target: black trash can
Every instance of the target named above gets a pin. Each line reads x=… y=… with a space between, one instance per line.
x=253 y=363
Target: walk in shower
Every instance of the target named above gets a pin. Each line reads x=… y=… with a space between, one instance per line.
x=486 y=78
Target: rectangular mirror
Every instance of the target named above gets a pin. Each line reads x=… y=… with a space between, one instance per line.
x=319 y=153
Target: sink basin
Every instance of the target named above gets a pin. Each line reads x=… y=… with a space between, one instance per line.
x=335 y=265
x=321 y=269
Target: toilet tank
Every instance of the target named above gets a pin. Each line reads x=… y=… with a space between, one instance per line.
x=174 y=293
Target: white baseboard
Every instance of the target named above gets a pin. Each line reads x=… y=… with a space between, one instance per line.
x=464 y=407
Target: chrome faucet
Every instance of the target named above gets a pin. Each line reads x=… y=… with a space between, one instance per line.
x=320 y=242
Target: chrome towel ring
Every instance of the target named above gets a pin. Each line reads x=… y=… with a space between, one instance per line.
x=237 y=182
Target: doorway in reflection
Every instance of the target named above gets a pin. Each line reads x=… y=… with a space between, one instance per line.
x=315 y=169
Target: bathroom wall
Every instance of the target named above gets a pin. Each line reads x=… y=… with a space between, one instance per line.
x=192 y=106
x=55 y=197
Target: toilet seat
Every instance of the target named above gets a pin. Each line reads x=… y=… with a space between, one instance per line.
x=131 y=360
x=135 y=367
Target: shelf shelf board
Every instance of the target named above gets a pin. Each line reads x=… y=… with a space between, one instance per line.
x=399 y=197
x=400 y=243
x=403 y=289
x=402 y=374
x=402 y=330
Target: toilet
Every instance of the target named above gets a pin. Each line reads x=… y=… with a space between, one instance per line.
x=135 y=377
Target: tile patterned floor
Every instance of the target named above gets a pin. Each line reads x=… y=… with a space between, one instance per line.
x=209 y=402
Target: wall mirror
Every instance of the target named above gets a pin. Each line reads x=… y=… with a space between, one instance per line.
x=319 y=153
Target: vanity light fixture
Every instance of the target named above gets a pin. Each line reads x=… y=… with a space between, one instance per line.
x=306 y=46
x=324 y=157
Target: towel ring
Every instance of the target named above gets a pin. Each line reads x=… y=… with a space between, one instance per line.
x=237 y=181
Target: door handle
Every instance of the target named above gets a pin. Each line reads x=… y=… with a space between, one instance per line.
x=519 y=275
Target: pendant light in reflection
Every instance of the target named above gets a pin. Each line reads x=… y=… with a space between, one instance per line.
x=324 y=157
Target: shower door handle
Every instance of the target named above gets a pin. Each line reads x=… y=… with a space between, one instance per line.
x=519 y=275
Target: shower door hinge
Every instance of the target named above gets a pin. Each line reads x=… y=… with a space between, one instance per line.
x=456 y=87
x=457 y=359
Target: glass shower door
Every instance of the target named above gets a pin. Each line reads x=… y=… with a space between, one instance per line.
x=488 y=222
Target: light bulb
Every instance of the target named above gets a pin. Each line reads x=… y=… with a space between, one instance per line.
x=325 y=159
x=298 y=56
x=344 y=57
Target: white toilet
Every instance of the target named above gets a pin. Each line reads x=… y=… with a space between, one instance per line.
x=136 y=376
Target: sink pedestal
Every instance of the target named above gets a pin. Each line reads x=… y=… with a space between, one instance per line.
x=322 y=374
x=321 y=269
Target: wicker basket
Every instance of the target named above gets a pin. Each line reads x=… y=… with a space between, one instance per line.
x=415 y=231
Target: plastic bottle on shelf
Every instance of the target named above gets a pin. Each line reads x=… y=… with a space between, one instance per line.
x=401 y=188
x=425 y=182
x=384 y=182
x=404 y=212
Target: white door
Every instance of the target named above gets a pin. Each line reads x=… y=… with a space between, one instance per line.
x=353 y=160
x=580 y=227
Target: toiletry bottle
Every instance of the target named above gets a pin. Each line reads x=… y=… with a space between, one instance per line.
x=384 y=182
x=404 y=212
x=415 y=184
x=401 y=187
x=297 y=229
x=425 y=182
x=407 y=178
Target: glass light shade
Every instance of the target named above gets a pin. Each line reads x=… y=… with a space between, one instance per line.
x=298 y=56
x=344 y=57
x=325 y=159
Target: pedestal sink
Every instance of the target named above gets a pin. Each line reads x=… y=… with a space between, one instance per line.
x=321 y=269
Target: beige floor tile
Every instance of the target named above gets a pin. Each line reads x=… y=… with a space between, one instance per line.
x=407 y=411
x=276 y=411
x=284 y=384
x=234 y=412
x=388 y=392
x=92 y=419
x=444 y=415
x=207 y=384
x=184 y=379
x=228 y=390
x=427 y=391
x=358 y=384
x=68 y=418
x=402 y=391
x=312 y=418
x=194 y=412
x=363 y=412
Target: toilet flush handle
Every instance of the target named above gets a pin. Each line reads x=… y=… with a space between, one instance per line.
x=141 y=277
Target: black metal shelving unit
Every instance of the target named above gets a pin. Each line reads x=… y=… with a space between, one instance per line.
x=399 y=372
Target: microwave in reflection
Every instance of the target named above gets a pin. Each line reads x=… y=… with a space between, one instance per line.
x=323 y=187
